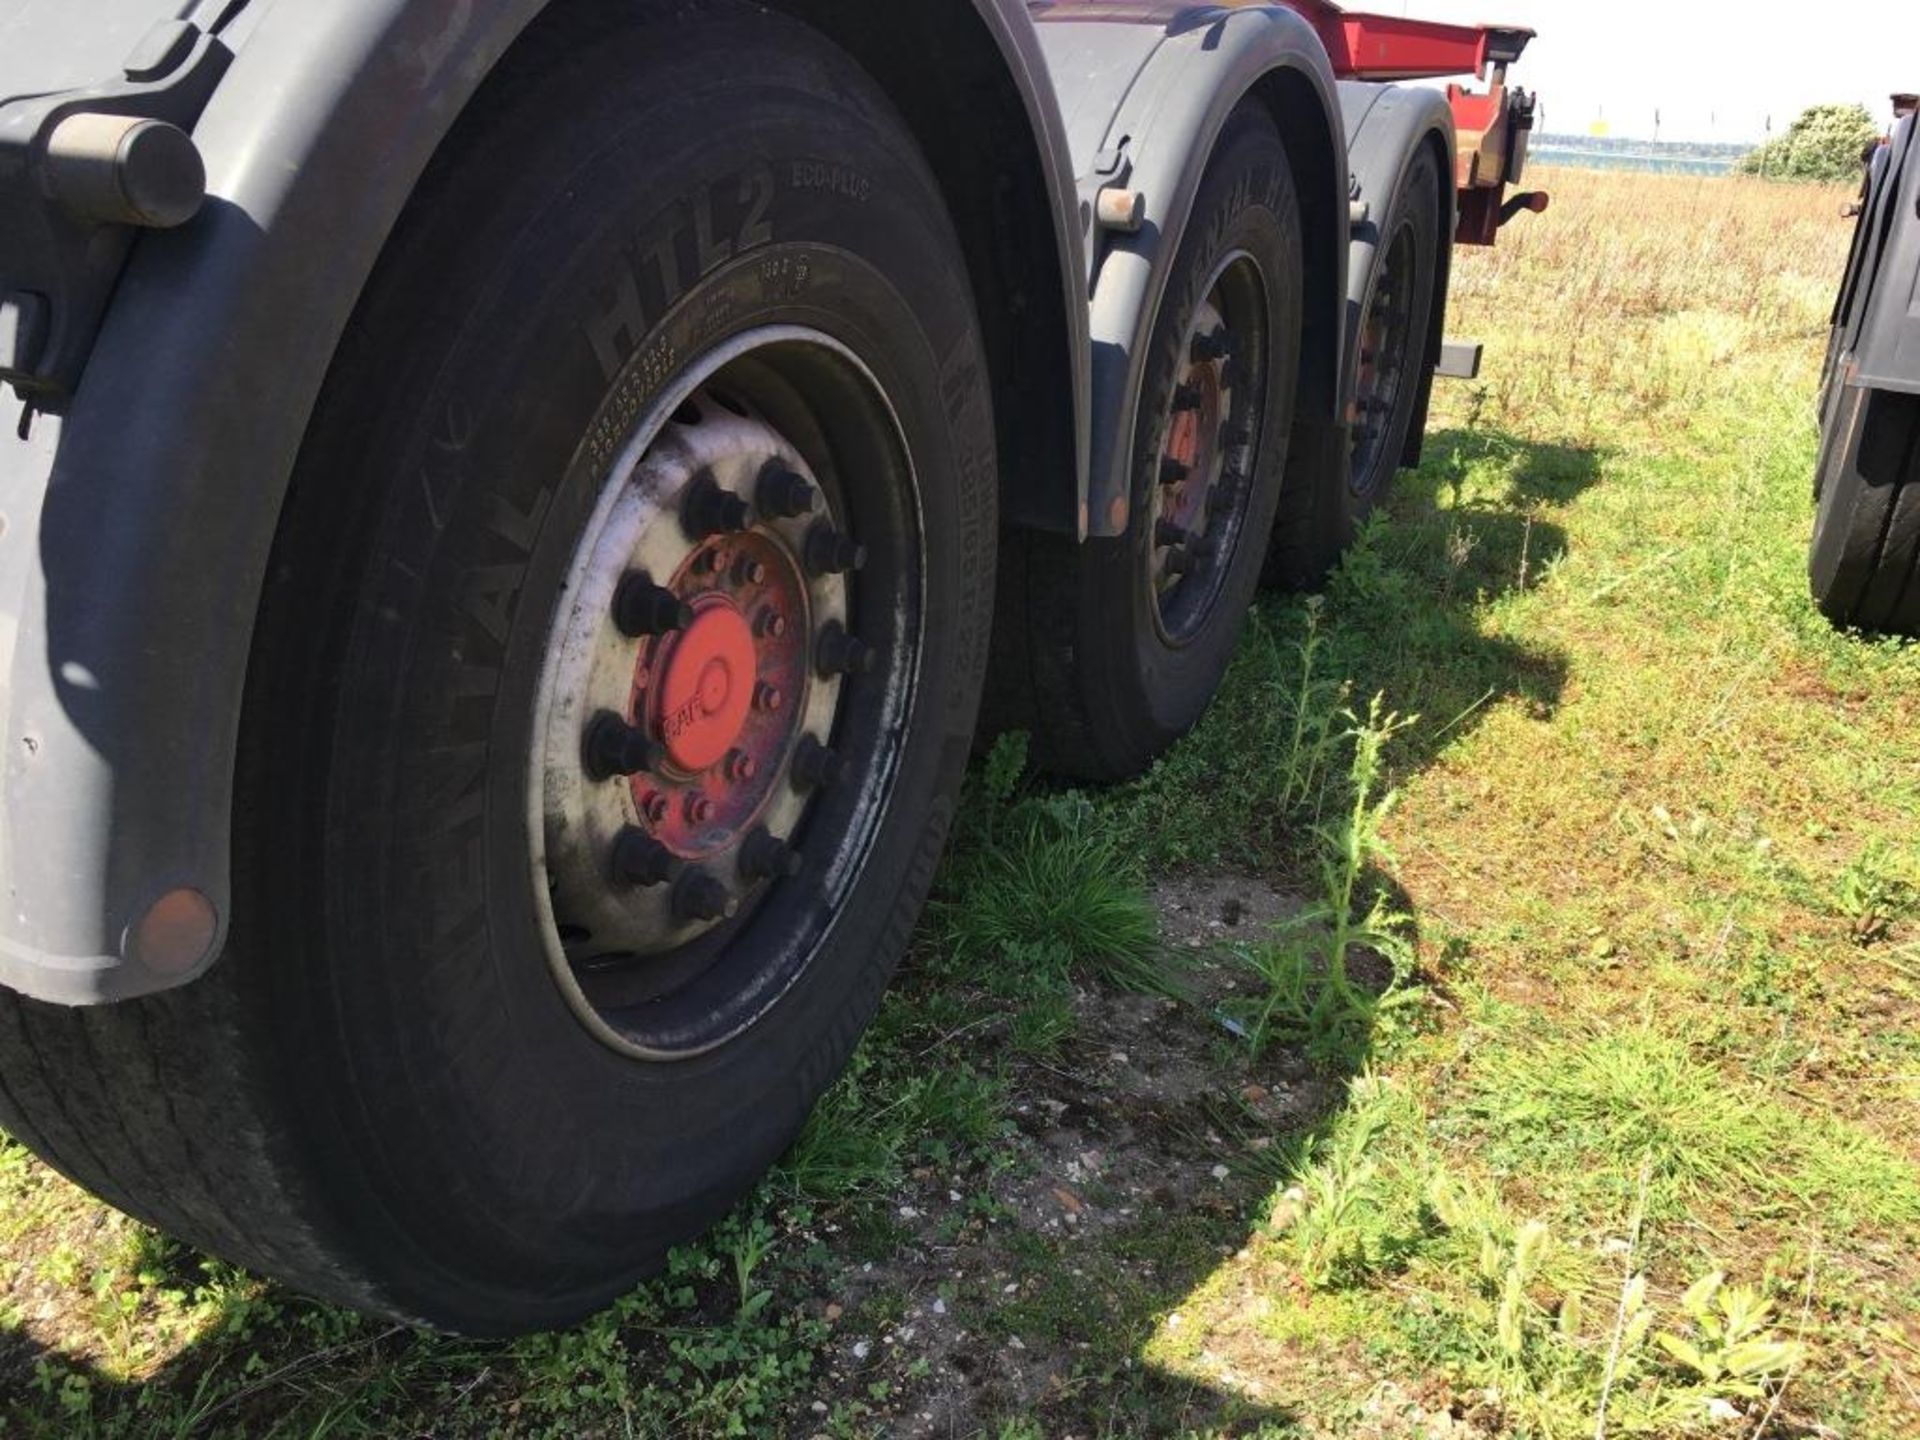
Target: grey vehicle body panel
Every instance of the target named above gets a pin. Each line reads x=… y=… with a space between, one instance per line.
x=1166 y=91
x=1886 y=344
x=1386 y=126
x=43 y=46
x=138 y=523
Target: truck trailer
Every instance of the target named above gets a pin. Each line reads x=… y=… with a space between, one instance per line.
x=515 y=512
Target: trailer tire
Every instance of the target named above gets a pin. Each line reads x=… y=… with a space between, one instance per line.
x=1107 y=652
x=383 y=1094
x=1405 y=269
x=1864 y=561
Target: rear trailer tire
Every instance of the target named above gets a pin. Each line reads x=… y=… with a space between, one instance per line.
x=1389 y=344
x=1107 y=652
x=1864 y=562
x=501 y=1021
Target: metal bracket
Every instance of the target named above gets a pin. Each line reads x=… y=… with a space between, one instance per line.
x=80 y=172
x=1459 y=359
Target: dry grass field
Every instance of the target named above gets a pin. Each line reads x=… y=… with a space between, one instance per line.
x=1533 y=1050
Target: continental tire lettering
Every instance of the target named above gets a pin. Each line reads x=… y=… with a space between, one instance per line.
x=619 y=329
x=708 y=253
x=516 y=529
x=491 y=593
x=756 y=193
x=666 y=264
x=455 y=430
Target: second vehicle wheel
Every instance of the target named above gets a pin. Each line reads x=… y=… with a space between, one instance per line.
x=617 y=668
x=1864 y=563
x=1106 y=652
x=1395 y=281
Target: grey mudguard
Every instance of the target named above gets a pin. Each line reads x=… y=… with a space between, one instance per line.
x=1887 y=351
x=1145 y=97
x=1386 y=126
x=137 y=525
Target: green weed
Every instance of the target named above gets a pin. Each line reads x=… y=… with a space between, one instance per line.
x=1306 y=992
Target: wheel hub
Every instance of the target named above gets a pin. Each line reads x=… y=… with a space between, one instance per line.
x=706 y=686
x=695 y=692
x=718 y=693
x=1195 y=512
x=1381 y=366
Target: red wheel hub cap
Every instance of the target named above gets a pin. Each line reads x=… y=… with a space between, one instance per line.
x=706 y=685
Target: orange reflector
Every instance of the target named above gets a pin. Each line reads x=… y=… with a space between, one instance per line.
x=176 y=932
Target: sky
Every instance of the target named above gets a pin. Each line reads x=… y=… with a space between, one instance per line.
x=1713 y=69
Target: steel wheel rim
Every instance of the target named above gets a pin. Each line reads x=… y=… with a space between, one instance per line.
x=649 y=977
x=1382 y=360
x=1198 y=500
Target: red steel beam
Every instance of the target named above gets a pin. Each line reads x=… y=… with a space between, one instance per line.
x=1363 y=46
x=1490 y=126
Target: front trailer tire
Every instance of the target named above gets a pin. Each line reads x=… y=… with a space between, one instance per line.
x=387 y=1093
x=1108 y=651
x=1388 y=347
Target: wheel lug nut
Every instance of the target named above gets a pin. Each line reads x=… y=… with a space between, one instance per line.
x=838 y=653
x=613 y=747
x=764 y=855
x=814 y=764
x=639 y=859
x=1173 y=471
x=770 y=623
x=1165 y=532
x=740 y=766
x=828 y=552
x=783 y=493
x=749 y=571
x=699 y=808
x=1208 y=347
x=641 y=607
x=767 y=697
x=710 y=510
x=655 y=807
x=698 y=895
x=1186 y=397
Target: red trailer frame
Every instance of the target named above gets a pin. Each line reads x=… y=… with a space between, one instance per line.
x=1490 y=126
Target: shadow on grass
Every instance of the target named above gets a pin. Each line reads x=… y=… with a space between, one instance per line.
x=1045 y=1147
x=1414 y=614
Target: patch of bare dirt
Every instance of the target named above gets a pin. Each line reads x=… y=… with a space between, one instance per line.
x=1134 y=1171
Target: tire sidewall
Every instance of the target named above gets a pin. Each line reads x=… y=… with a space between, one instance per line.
x=1413 y=209
x=485 y=1131
x=1155 y=689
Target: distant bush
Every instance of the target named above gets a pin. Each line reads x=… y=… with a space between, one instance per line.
x=1825 y=143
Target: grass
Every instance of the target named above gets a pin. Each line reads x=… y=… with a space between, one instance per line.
x=1564 y=1087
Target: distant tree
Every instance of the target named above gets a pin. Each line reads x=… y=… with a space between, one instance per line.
x=1825 y=143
